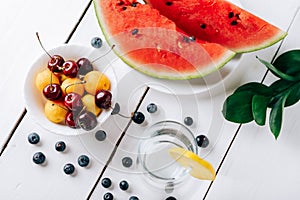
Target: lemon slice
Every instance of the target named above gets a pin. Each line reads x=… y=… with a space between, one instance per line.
x=200 y=168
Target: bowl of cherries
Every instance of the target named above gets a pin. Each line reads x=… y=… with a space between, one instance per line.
x=68 y=92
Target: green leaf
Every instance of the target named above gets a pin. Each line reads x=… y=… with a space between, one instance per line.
x=275 y=119
x=256 y=88
x=237 y=107
x=277 y=72
x=259 y=108
x=289 y=63
x=281 y=86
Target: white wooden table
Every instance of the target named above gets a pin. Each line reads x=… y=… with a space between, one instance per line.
x=250 y=163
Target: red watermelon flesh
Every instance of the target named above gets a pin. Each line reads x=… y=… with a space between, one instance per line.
x=221 y=22
x=153 y=44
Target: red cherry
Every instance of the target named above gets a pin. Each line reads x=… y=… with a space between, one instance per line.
x=73 y=101
x=85 y=66
x=70 y=68
x=55 y=63
x=70 y=120
x=52 y=91
x=103 y=99
x=87 y=120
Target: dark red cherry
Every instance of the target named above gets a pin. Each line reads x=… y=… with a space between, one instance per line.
x=55 y=63
x=85 y=66
x=87 y=120
x=73 y=101
x=70 y=68
x=70 y=120
x=52 y=91
x=103 y=99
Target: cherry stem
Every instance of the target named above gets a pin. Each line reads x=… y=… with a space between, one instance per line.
x=82 y=82
x=38 y=37
x=113 y=46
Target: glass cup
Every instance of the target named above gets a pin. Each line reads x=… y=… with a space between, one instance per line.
x=153 y=157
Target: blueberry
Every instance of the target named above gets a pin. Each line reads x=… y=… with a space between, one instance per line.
x=202 y=141
x=133 y=198
x=33 y=138
x=127 y=161
x=152 y=108
x=123 y=185
x=138 y=117
x=108 y=196
x=69 y=168
x=83 y=161
x=39 y=158
x=106 y=182
x=171 y=198
x=96 y=42
x=100 y=135
x=60 y=146
x=188 y=121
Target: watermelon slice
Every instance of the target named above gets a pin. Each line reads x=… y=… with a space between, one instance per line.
x=153 y=44
x=221 y=22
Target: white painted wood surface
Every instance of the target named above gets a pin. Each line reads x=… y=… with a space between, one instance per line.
x=256 y=167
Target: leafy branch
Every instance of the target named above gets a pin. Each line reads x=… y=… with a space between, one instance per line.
x=252 y=100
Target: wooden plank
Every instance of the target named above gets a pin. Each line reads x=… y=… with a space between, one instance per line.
x=258 y=166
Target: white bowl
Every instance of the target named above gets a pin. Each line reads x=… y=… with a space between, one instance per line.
x=34 y=99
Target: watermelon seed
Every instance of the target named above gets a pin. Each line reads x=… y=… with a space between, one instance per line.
x=121 y=3
x=231 y=15
x=192 y=38
x=179 y=45
x=203 y=26
x=237 y=16
x=124 y=8
x=158 y=48
x=169 y=3
x=233 y=23
x=135 y=31
x=134 y=4
x=186 y=39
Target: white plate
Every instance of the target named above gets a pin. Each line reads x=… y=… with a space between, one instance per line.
x=34 y=99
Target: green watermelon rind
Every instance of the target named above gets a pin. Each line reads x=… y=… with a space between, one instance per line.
x=171 y=76
x=281 y=35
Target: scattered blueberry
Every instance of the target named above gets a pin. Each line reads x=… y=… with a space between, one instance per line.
x=39 y=158
x=133 y=198
x=60 y=146
x=106 y=182
x=123 y=185
x=96 y=42
x=138 y=117
x=152 y=108
x=83 y=161
x=171 y=198
x=202 y=141
x=108 y=196
x=188 y=121
x=127 y=161
x=100 y=135
x=69 y=168
x=33 y=138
